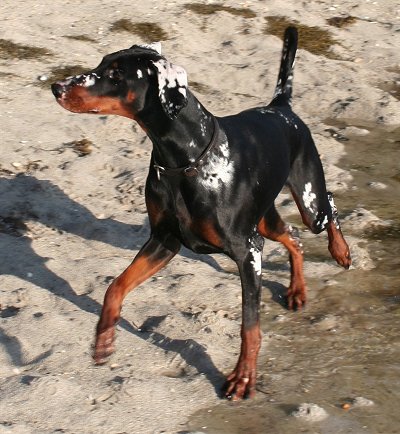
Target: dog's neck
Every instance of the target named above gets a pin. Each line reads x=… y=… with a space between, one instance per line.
x=180 y=141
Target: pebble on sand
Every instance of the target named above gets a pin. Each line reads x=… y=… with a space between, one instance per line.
x=310 y=412
x=359 y=401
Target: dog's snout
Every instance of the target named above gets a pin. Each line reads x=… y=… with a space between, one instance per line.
x=57 y=90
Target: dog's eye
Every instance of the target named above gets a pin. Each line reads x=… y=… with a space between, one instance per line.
x=115 y=74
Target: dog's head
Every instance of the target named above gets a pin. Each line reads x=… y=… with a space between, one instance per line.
x=126 y=83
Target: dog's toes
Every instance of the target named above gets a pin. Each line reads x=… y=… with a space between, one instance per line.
x=340 y=251
x=104 y=346
x=296 y=298
x=240 y=386
x=345 y=262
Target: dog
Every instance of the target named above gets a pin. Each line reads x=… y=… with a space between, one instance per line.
x=212 y=183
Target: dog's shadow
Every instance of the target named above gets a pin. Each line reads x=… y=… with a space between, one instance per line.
x=25 y=198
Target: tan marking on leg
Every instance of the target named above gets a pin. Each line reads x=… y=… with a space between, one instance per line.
x=338 y=246
x=147 y=262
x=241 y=382
x=297 y=289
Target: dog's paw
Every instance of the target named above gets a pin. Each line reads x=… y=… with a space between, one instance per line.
x=342 y=256
x=296 y=297
x=339 y=249
x=104 y=346
x=240 y=384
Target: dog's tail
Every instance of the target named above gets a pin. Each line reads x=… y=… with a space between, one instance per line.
x=283 y=90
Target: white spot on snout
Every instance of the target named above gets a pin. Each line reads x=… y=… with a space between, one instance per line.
x=84 y=80
x=309 y=197
x=139 y=73
x=89 y=81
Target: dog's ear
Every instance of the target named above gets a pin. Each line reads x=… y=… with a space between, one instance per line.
x=155 y=46
x=172 y=87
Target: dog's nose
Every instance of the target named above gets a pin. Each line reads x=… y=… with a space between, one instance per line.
x=57 y=90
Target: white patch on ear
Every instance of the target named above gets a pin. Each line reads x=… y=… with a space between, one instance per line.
x=171 y=77
x=156 y=46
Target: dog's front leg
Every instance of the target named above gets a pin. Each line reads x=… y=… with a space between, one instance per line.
x=241 y=383
x=152 y=257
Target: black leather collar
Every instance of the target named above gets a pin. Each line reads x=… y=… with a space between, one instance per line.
x=193 y=168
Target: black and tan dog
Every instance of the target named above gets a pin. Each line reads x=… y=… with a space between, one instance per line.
x=212 y=182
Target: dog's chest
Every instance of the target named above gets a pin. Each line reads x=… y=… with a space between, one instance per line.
x=192 y=217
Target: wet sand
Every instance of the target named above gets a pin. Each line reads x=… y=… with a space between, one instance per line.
x=345 y=345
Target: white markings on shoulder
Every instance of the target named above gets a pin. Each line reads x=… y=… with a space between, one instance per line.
x=309 y=197
x=218 y=169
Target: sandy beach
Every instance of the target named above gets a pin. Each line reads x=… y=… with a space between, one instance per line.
x=72 y=211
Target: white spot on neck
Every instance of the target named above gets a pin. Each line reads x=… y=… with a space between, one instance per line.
x=218 y=169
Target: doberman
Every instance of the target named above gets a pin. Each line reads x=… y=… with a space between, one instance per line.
x=212 y=182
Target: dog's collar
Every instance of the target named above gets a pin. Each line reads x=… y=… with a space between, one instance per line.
x=193 y=168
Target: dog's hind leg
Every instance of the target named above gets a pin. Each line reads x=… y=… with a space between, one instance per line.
x=271 y=226
x=316 y=206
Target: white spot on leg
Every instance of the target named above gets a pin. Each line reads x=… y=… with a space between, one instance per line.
x=309 y=197
x=335 y=214
x=256 y=262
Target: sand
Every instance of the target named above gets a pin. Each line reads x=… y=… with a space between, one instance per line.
x=72 y=218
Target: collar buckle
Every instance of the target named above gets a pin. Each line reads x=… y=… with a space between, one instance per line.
x=190 y=171
x=159 y=170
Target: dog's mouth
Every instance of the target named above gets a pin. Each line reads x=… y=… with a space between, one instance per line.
x=58 y=90
x=74 y=99
x=78 y=99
